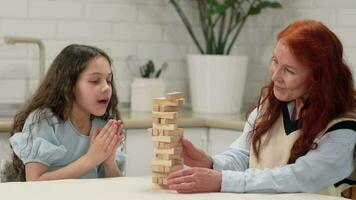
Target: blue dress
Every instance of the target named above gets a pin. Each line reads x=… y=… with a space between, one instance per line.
x=56 y=144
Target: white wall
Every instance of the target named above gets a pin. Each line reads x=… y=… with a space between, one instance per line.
x=149 y=29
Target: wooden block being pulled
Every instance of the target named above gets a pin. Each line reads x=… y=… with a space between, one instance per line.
x=175 y=150
x=169 y=127
x=165 y=169
x=174 y=95
x=165 y=115
x=168 y=139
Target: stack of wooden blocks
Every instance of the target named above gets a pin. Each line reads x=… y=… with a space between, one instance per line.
x=166 y=137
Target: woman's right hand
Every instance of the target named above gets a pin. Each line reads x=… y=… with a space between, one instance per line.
x=103 y=142
x=195 y=157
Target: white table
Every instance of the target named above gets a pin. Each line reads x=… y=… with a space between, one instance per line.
x=130 y=188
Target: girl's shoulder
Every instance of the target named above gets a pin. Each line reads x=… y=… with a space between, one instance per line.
x=41 y=117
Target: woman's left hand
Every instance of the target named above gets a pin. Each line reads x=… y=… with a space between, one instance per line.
x=111 y=159
x=195 y=180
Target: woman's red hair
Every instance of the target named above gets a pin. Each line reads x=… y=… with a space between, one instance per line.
x=331 y=92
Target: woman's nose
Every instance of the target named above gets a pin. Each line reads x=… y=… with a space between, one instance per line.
x=276 y=74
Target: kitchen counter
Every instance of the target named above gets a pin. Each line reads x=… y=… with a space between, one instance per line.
x=188 y=119
x=125 y=188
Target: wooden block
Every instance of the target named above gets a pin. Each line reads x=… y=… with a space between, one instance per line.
x=179 y=132
x=164 y=169
x=168 y=108
x=175 y=150
x=156 y=108
x=168 y=139
x=162 y=101
x=162 y=181
x=161 y=177
x=159 y=168
x=164 y=145
x=169 y=127
x=168 y=163
x=168 y=121
x=153 y=132
x=161 y=132
x=165 y=115
x=162 y=108
x=168 y=156
x=174 y=95
x=156 y=120
x=180 y=101
x=157 y=174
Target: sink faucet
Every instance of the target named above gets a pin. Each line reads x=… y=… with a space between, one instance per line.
x=15 y=39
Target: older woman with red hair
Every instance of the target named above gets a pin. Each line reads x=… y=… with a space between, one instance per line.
x=300 y=136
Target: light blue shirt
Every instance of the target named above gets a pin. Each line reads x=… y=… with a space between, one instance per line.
x=332 y=161
x=56 y=144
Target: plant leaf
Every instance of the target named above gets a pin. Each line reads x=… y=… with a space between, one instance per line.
x=254 y=11
x=238 y=17
x=263 y=4
x=275 y=5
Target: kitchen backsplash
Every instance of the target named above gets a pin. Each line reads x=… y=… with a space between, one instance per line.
x=148 y=29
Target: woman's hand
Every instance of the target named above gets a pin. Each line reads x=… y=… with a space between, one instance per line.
x=111 y=159
x=195 y=157
x=103 y=142
x=194 y=180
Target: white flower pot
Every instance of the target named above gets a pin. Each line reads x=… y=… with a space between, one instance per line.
x=143 y=90
x=217 y=82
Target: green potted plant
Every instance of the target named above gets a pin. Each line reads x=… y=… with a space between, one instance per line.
x=221 y=22
x=147 y=87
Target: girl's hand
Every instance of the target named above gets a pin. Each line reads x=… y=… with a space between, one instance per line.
x=195 y=157
x=103 y=142
x=111 y=159
x=195 y=180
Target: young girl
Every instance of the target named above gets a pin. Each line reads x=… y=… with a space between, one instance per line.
x=71 y=127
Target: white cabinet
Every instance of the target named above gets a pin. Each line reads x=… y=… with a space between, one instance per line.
x=220 y=139
x=139 y=152
x=198 y=136
x=139 y=148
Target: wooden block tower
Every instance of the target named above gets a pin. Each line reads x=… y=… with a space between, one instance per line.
x=166 y=137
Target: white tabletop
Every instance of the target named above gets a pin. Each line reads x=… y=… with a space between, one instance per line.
x=120 y=188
